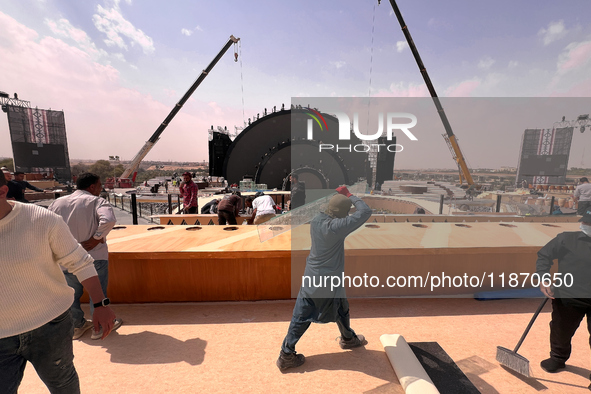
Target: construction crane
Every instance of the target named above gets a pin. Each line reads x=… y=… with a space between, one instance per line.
x=124 y=181
x=449 y=137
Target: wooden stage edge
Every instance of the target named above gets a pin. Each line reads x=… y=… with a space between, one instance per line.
x=171 y=264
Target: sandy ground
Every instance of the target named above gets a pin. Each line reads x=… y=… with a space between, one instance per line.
x=232 y=347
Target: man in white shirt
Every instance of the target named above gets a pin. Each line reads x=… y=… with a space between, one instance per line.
x=35 y=321
x=583 y=196
x=90 y=218
x=263 y=208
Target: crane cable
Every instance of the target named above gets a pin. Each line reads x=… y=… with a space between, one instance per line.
x=373 y=25
x=241 y=78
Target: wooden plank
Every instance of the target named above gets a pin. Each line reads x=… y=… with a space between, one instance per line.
x=369 y=237
x=182 y=278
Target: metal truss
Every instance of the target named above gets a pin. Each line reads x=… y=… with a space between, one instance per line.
x=16 y=102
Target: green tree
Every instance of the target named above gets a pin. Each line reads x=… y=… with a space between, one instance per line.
x=102 y=168
x=118 y=170
x=144 y=175
x=79 y=168
x=579 y=171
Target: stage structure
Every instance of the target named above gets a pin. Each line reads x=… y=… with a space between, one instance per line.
x=544 y=156
x=219 y=142
x=268 y=151
x=39 y=143
x=384 y=163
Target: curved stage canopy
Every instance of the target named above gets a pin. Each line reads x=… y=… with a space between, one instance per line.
x=270 y=149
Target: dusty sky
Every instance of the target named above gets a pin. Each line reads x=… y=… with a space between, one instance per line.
x=117 y=67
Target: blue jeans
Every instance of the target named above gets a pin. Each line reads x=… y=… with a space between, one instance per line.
x=49 y=348
x=102 y=269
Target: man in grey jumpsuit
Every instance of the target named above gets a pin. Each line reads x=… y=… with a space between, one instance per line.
x=327 y=258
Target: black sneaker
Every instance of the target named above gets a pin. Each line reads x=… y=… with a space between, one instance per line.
x=356 y=341
x=289 y=360
x=552 y=365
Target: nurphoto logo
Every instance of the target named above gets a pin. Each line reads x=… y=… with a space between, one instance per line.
x=345 y=131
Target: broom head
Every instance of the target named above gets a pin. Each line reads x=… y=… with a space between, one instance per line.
x=514 y=361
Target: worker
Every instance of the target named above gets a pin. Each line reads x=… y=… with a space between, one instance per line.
x=13 y=188
x=263 y=208
x=470 y=192
x=327 y=258
x=189 y=192
x=228 y=208
x=569 y=303
x=298 y=192
x=90 y=219
x=19 y=179
x=583 y=195
x=211 y=207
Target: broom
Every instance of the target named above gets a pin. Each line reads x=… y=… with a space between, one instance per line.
x=511 y=359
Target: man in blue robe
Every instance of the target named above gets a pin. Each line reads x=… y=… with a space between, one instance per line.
x=324 y=304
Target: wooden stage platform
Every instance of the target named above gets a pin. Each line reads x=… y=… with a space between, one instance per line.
x=204 y=220
x=225 y=263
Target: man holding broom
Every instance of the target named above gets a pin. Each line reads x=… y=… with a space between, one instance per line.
x=569 y=303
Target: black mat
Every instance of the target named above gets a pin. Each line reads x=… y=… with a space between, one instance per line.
x=443 y=371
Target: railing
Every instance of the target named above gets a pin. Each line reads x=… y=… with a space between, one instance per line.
x=129 y=203
x=528 y=204
x=519 y=204
x=522 y=205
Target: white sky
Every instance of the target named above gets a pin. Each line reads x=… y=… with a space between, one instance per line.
x=116 y=68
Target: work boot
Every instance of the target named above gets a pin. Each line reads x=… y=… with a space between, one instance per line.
x=356 y=341
x=289 y=360
x=552 y=365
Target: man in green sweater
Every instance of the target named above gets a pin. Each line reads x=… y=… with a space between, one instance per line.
x=35 y=308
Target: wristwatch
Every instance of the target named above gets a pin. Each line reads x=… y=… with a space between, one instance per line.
x=104 y=302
